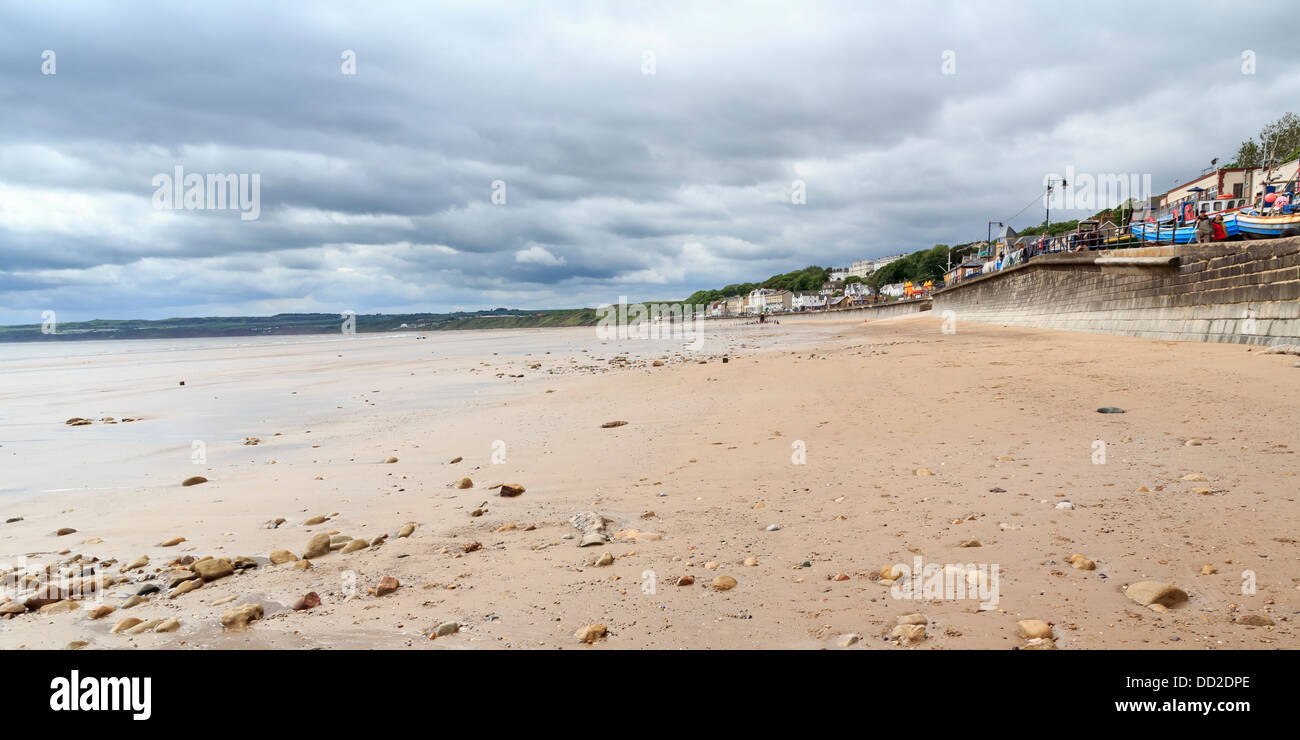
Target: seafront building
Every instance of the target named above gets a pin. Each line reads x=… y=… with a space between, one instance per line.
x=863 y=268
x=1234 y=182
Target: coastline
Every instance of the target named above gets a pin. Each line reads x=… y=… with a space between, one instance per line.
x=709 y=450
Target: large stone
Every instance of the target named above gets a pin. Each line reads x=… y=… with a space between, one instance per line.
x=139 y=562
x=354 y=545
x=185 y=588
x=146 y=626
x=386 y=586
x=125 y=624
x=168 y=625
x=318 y=546
x=175 y=578
x=1155 y=592
x=99 y=612
x=212 y=569
x=59 y=607
x=282 y=556
x=239 y=617
x=1034 y=628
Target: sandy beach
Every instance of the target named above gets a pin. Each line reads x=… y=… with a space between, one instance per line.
x=817 y=454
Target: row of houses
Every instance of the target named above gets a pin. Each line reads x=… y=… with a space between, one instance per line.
x=834 y=294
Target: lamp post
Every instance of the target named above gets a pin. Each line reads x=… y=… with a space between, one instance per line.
x=1047 y=205
x=989 y=237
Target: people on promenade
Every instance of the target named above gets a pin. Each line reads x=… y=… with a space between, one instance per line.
x=1204 y=229
x=1220 y=231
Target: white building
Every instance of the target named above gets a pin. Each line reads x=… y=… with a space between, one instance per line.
x=894 y=290
x=808 y=300
x=863 y=268
x=839 y=273
x=857 y=289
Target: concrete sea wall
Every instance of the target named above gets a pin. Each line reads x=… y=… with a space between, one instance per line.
x=1243 y=292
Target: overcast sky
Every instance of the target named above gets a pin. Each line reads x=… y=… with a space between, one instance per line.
x=910 y=124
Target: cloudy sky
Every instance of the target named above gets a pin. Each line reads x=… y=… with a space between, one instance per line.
x=646 y=149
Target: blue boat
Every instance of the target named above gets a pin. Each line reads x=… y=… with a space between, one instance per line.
x=1170 y=231
x=1176 y=223
x=1257 y=225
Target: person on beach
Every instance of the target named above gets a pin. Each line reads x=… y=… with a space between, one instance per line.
x=1220 y=231
x=1204 y=229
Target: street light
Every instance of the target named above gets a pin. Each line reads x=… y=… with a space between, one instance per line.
x=1047 y=205
x=989 y=238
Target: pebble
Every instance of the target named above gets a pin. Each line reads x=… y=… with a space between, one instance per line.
x=172 y=542
x=605 y=559
x=1252 y=620
x=309 y=600
x=185 y=588
x=773 y=527
x=751 y=561
x=447 y=628
x=101 y=611
x=724 y=583
x=1208 y=570
x=970 y=543
x=59 y=607
x=318 y=546
x=194 y=480
x=139 y=562
x=137 y=599
x=124 y=624
x=847 y=640
x=386 y=586
x=591 y=633
x=63 y=531
x=170 y=625
x=212 y=569
x=686 y=580
x=282 y=556
x=1034 y=628
x=406 y=530
x=1155 y=592
x=354 y=545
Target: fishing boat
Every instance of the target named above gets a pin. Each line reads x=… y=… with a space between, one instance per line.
x=1176 y=223
x=1257 y=224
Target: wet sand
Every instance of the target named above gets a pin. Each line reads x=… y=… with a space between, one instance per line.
x=1005 y=420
